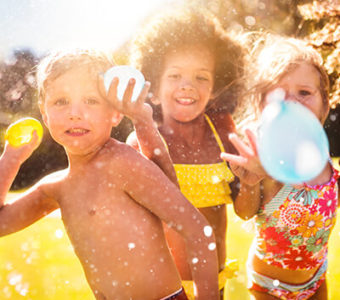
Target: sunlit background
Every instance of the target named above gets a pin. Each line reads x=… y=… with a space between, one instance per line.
x=45 y=24
x=39 y=263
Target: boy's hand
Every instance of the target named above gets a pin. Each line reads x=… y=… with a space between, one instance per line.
x=136 y=111
x=247 y=165
x=24 y=151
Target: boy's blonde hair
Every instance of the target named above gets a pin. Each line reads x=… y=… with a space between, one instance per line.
x=59 y=62
x=275 y=57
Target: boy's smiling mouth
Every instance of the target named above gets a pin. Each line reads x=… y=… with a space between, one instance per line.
x=77 y=131
x=185 y=101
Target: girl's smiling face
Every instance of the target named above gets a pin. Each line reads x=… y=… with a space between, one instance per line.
x=302 y=84
x=186 y=83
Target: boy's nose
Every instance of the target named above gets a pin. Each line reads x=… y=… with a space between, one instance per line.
x=75 y=113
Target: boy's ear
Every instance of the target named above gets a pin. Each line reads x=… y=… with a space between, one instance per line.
x=42 y=111
x=116 y=118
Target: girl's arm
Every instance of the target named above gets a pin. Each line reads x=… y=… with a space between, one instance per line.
x=29 y=206
x=158 y=194
x=247 y=167
x=248 y=200
x=146 y=134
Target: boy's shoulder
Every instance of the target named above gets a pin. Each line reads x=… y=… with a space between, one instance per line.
x=55 y=176
x=119 y=152
x=51 y=184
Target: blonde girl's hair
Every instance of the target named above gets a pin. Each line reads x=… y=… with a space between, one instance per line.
x=275 y=56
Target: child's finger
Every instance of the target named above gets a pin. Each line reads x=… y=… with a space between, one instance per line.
x=129 y=91
x=143 y=94
x=240 y=146
x=35 y=139
x=236 y=159
x=112 y=92
x=252 y=140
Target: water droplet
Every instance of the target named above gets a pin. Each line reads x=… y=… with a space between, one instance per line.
x=59 y=233
x=14 y=278
x=276 y=282
x=131 y=246
x=207 y=231
x=157 y=151
x=215 y=179
x=212 y=246
x=250 y=20
x=195 y=260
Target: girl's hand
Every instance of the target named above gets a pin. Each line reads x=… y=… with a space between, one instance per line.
x=247 y=165
x=136 y=111
x=24 y=151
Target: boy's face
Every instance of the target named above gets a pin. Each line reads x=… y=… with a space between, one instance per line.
x=76 y=115
x=302 y=84
x=186 y=83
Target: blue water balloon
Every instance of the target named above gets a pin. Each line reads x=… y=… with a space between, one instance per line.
x=292 y=144
x=124 y=74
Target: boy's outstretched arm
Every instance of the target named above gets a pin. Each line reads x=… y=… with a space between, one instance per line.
x=146 y=137
x=158 y=194
x=29 y=206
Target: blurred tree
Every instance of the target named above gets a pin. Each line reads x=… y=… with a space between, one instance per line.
x=321 y=27
x=17 y=85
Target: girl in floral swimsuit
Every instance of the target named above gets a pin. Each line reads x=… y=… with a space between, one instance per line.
x=288 y=258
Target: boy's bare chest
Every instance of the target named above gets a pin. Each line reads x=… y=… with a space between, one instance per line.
x=101 y=209
x=93 y=194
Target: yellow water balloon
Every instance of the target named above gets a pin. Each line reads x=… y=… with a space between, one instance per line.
x=21 y=131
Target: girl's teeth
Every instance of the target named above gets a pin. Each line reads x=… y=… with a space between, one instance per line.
x=185 y=100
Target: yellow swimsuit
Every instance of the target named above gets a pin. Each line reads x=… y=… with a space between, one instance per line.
x=204 y=186
x=207 y=184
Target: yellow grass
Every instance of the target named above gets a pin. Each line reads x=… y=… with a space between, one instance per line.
x=39 y=263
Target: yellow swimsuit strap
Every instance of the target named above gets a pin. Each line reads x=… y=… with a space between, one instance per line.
x=213 y=129
x=217 y=137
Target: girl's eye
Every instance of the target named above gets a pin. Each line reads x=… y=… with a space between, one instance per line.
x=60 y=102
x=304 y=93
x=202 y=78
x=91 y=101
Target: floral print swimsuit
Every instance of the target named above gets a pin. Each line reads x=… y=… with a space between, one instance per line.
x=294 y=227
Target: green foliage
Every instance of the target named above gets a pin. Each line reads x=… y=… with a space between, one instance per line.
x=321 y=27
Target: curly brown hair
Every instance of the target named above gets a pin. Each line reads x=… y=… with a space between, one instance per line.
x=188 y=25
